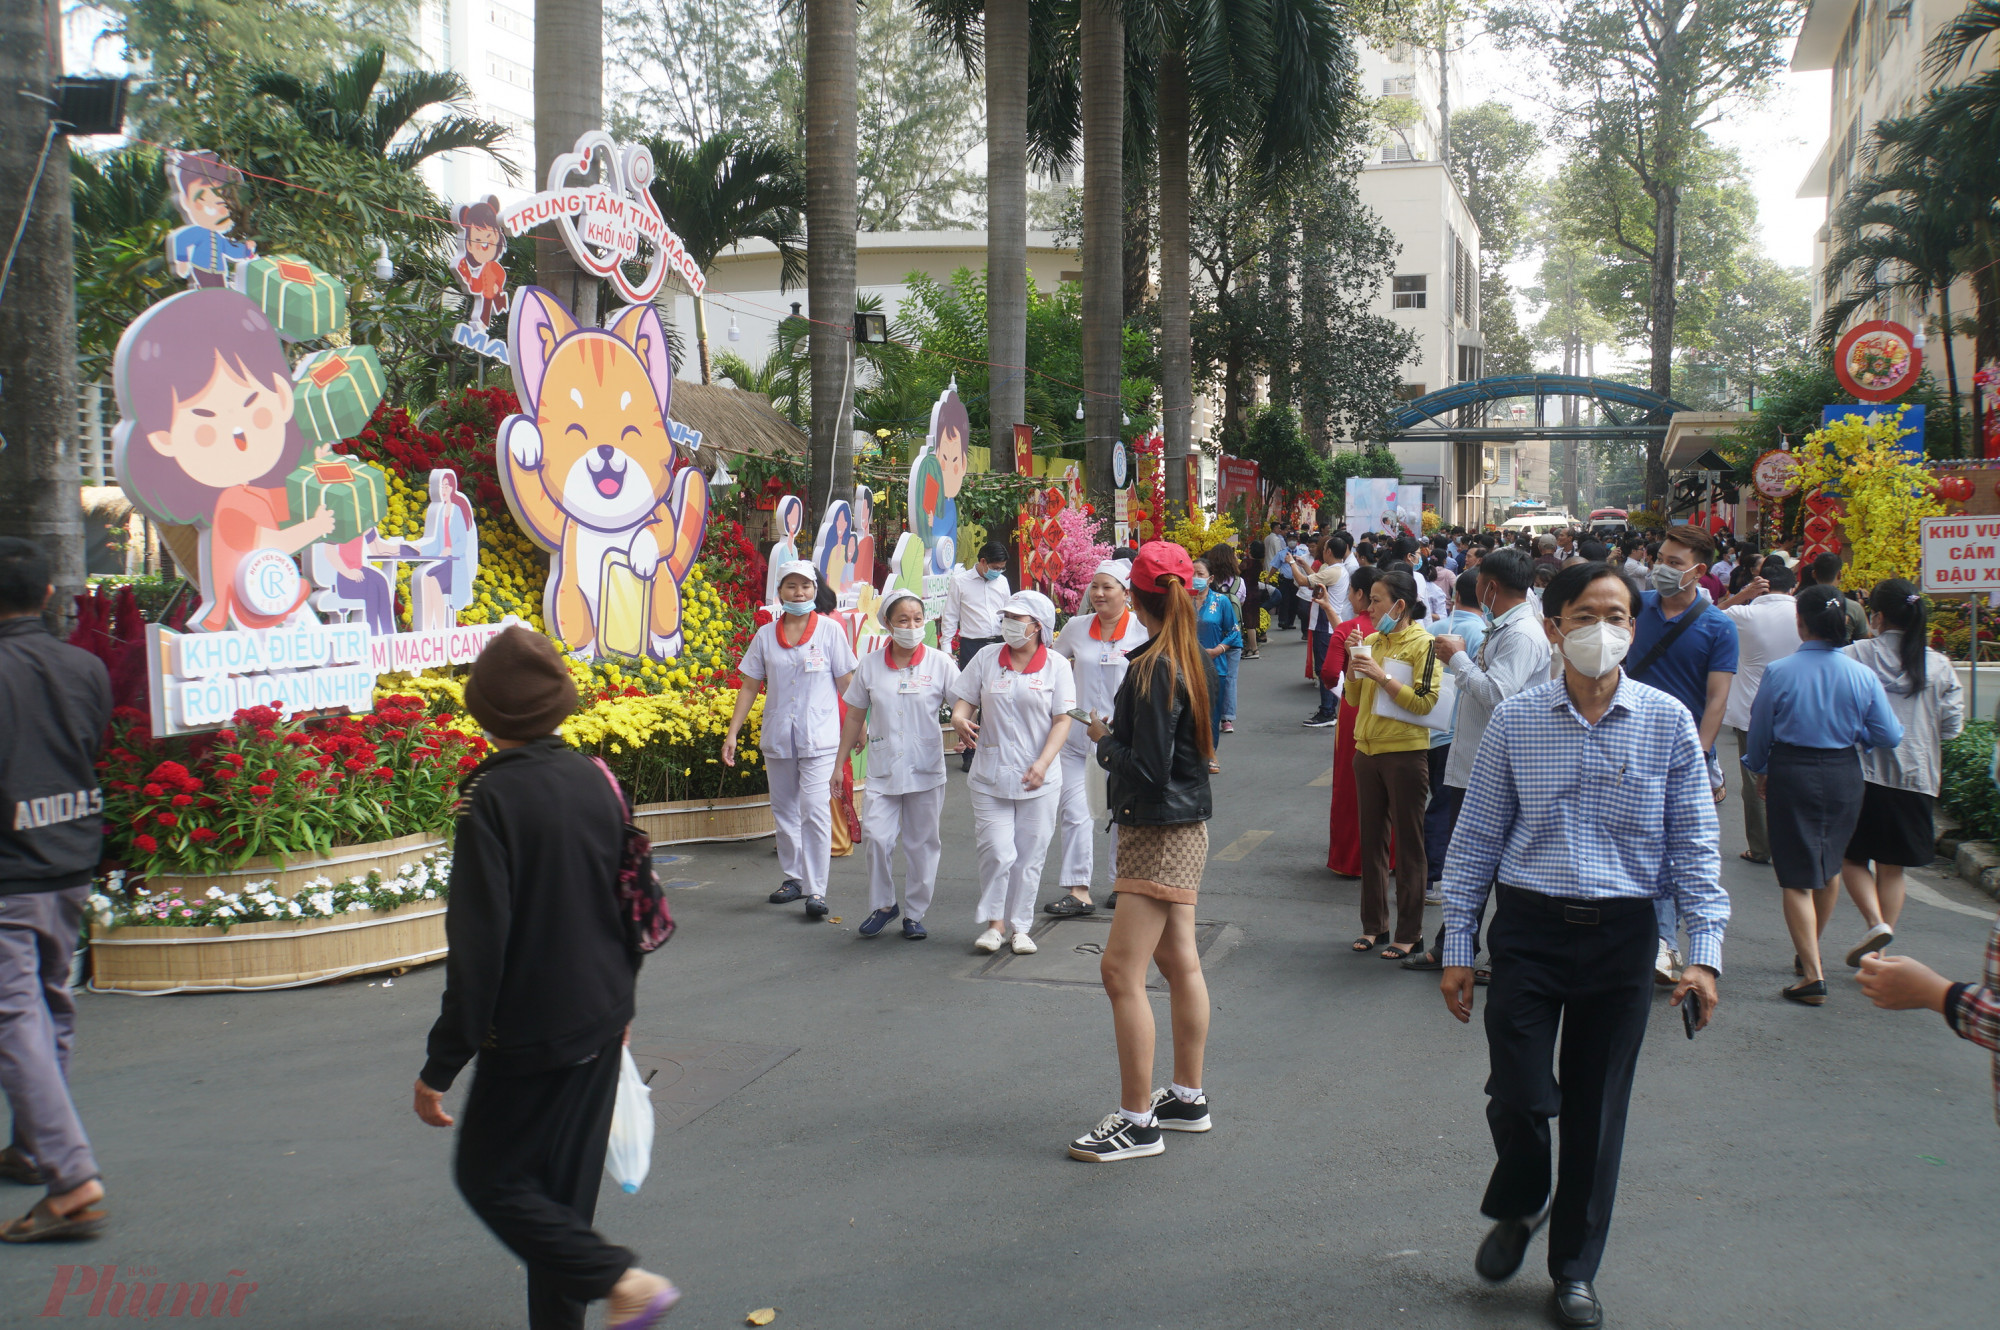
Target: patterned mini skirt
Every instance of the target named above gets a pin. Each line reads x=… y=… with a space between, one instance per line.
x=1165 y=863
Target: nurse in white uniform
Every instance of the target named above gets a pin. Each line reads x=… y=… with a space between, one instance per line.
x=1023 y=692
x=801 y=662
x=895 y=698
x=1096 y=646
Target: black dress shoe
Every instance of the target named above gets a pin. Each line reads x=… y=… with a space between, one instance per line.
x=1576 y=1305
x=1501 y=1252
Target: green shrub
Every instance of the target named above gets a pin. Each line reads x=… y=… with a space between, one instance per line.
x=1968 y=793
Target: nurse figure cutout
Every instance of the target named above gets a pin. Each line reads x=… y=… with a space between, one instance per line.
x=1096 y=645
x=802 y=662
x=896 y=695
x=1023 y=692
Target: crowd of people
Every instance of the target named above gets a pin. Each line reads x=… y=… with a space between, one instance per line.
x=1526 y=732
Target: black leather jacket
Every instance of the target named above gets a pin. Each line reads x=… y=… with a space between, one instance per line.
x=1157 y=775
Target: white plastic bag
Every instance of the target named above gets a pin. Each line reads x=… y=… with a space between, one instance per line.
x=630 y=1155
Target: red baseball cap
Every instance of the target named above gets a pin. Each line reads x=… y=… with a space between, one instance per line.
x=1158 y=559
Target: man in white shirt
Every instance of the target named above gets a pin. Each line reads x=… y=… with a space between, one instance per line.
x=972 y=610
x=1767 y=630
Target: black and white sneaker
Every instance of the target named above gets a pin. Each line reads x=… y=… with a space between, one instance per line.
x=1176 y=1114
x=1319 y=720
x=1117 y=1137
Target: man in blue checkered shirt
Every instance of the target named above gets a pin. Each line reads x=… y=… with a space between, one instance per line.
x=1588 y=799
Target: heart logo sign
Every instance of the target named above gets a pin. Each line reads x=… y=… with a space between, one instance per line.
x=607 y=225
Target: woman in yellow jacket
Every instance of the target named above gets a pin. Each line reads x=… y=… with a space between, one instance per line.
x=1391 y=759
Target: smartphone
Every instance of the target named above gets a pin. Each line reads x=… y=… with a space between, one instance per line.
x=1691 y=1011
x=1078 y=714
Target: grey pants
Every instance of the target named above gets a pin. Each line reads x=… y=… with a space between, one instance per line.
x=38 y=932
x=1754 y=829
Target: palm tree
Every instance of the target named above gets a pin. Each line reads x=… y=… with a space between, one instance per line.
x=1960 y=127
x=356 y=107
x=726 y=190
x=831 y=109
x=1899 y=231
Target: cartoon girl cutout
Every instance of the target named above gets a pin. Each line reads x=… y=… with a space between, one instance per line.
x=451 y=538
x=481 y=244
x=862 y=544
x=951 y=435
x=791 y=515
x=206 y=437
x=836 y=552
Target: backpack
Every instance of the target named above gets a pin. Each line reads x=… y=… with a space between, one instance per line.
x=642 y=904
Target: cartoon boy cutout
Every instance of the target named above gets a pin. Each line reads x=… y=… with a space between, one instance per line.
x=481 y=245
x=206 y=438
x=203 y=250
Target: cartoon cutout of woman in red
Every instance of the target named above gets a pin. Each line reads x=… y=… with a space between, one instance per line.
x=206 y=437
x=481 y=244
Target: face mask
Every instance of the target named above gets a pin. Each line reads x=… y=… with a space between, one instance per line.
x=1019 y=635
x=1667 y=579
x=1386 y=624
x=990 y=574
x=1596 y=650
x=797 y=607
x=1199 y=584
x=908 y=638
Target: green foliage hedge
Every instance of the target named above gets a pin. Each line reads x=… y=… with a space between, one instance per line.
x=1968 y=793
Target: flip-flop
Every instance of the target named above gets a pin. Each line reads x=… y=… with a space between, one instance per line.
x=42 y=1224
x=661 y=1304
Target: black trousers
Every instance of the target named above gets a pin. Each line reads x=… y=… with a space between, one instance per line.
x=1583 y=968
x=968 y=647
x=530 y=1153
x=1288 y=603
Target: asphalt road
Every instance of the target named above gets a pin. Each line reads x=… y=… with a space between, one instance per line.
x=904 y=1165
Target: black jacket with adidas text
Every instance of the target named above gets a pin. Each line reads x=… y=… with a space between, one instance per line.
x=55 y=700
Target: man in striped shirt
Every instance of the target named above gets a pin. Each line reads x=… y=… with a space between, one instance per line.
x=1588 y=800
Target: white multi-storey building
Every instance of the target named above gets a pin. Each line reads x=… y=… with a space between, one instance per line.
x=1875 y=49
x=1435 y=290
x=492 y=44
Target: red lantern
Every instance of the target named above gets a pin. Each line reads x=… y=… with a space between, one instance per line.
x=1955 y=488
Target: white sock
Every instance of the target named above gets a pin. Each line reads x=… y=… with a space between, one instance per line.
x=1145 y=1119
x=1185 y=1095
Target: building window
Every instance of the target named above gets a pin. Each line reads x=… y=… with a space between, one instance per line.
x=1468 y=363
x=1410 y=292
x=1399 y=85
x=1397 y=150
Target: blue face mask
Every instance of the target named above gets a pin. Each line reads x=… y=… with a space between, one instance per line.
x=797 y=607
x=1386 y=624
x=1199 y=583
x=990 y=574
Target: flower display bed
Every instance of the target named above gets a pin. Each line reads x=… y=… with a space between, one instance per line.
x=385 y=857
x=273 y=954
x=691 y=821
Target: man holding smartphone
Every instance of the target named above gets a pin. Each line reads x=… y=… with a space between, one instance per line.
x=1588 y=800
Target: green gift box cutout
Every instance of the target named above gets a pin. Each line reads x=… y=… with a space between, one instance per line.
x=301 y=302
x=356 y=493
x=337 y=393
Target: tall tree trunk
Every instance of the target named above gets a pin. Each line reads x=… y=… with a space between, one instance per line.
x=39 y=495
x=1662 y=295
x=1176 y=308
x=701 y=339
x=1951 y=369
x=831 y=108
x=1281 y=308
x=1103 y=71
x=1137 y=242
x=569 y=101
x=1006 y=223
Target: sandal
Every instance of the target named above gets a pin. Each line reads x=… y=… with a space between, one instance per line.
x=1399 y=952
x=1068 y=907
x=42 y=1224
x=1427 y=960
x=1748 y=857
x=14 y=1167
x=1365 y=943
x=1481 y=976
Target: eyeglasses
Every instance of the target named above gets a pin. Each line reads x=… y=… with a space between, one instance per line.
x=1573 y=622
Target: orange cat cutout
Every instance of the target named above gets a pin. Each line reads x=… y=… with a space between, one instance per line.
x=593 y=477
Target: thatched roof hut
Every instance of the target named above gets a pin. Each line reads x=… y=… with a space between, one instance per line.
x=733 y=422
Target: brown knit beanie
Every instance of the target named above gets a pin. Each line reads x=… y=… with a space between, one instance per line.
x=519 y=687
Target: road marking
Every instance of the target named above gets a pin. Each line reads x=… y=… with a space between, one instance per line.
x=1927 y=894
x=1241 y=846
x=1323 y=780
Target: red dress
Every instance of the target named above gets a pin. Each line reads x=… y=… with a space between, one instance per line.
x=1343 y=830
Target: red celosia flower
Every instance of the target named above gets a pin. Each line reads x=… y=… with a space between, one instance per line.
x=183 y=800
x=260 y=791
x=146 y=844
x=201 y=835
x=168 y=819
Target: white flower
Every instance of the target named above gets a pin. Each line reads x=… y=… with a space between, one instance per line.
x=214 y=893
x=429 y=895
x=294 y=907
x=405 y=870
x=265 y=885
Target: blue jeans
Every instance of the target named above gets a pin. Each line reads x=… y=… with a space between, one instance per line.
x=1322 y=638
x=1234 y=659
x=1668 y=913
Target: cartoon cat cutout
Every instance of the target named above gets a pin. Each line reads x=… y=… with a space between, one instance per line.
x=593 y=478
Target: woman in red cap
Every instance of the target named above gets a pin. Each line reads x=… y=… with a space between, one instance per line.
x=1156 y=750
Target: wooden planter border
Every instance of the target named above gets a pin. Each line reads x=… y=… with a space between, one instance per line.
x=697 y=821
x=270 y=953
x=346 y=861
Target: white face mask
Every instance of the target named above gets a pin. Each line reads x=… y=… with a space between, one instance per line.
x=1019 y=635
x=908 y=638
x=1597 y=649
